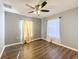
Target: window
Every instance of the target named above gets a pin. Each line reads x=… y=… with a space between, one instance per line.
x=53 y=28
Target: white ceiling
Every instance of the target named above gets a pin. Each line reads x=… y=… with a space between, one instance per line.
x=55 y=6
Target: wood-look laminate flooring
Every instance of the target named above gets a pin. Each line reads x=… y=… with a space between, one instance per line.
x=39 y=49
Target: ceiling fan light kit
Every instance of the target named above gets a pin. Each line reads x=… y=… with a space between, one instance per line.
x=38 y=8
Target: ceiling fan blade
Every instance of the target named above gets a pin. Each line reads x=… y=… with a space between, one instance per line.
x=45 y=10
x=43 y=4
x=30 y=6
x=31 y=12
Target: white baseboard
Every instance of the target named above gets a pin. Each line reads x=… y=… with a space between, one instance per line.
x=57 y=44
x=13 y=44
x=8 y=46
x=2 y=51
x=36 y=39
x=63 y=45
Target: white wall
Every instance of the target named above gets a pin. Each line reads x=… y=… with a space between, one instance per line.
x=36 y=28
x=68 y=27
x=1 y=30
x=12 y=28
x=43 y=28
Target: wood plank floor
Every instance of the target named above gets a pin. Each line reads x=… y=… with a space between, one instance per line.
x=39 y=49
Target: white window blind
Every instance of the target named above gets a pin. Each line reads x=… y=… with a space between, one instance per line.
x=53 y=28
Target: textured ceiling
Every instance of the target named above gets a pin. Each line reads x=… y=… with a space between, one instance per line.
x=55 y=6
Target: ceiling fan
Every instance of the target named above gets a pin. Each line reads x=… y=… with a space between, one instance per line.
x=38 y=8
